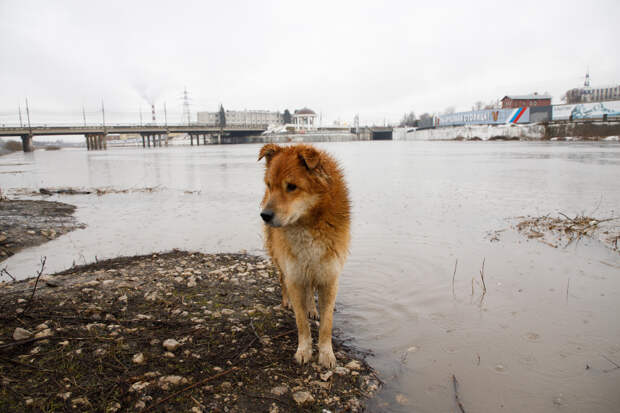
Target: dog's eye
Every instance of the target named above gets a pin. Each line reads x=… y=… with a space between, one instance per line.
x=291 y=187
x=268 y=185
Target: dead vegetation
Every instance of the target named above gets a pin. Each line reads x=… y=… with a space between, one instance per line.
x=165 y=332
x=562 y=231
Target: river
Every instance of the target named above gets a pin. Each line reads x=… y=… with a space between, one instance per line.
x=545 y=335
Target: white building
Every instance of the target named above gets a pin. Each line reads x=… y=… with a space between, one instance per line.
x=305 y=119
x=242 y=118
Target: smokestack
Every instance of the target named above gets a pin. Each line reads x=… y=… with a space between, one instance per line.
x=153 y=112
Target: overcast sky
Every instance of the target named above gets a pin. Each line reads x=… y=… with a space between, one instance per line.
x=378 y=59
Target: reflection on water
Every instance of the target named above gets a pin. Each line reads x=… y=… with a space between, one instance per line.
x=536 y=341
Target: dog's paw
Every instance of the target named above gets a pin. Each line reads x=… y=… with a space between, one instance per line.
x=327 y=358
x=313 y=314
x=303 y=354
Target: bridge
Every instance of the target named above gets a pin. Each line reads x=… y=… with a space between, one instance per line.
x=96 y=135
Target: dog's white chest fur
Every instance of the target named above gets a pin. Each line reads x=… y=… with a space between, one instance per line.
x=309 y=264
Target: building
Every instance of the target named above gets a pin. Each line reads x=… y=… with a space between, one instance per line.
x=520 y=101
x=588 y=94
x=242 y=118
x=305 y=119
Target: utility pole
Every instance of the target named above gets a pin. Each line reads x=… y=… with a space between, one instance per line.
x=84 y=115
x=165 y=115
x=21 y=124
x=28 y=115
x=140 y=108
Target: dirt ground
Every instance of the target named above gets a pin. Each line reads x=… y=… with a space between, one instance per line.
x=166 y=332
x=29 y=223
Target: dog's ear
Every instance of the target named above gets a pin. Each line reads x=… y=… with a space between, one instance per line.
x=268 y=150
x=310 y=157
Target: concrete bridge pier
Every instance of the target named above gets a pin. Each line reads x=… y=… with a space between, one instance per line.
x=143 y=142
x=27 y=143
x=96 y=141
x=204 y=138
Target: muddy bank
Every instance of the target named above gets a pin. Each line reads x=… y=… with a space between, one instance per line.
x=28 y=223
x=170 y=332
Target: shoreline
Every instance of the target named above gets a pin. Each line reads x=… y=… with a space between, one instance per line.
x=177 y=330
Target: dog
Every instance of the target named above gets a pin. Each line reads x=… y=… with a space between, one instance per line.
x=306 y=214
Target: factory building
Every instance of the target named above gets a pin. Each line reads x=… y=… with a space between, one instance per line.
x=242 y=118
x=518 y=101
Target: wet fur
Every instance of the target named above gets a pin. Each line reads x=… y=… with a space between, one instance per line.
x=308 y=238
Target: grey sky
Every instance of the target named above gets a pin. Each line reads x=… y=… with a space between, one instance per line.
x=378 y=59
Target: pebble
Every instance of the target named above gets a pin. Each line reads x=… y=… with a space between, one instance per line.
x=171 y=344
x=353 y=365
x=166 y=381
x=303 y=397
x=341 y=371
x=327 y=375
x=21 y=334
x=44 y=333
x=137 y=386
x=138 y=358
x=279 y=390
x=227 y=311
x=64 y=396
x=80 y=401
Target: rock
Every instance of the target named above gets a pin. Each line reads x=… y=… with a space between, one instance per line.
x=341 y=371
x=227 y=311
x=138 y=358
x=354 y=405
x=29 y=401
x=353 y=365
x=191 y=283
x=80 y=401
x=327 y=375
x=44 y=333
x=139 y=405
x=171 y=344
x=166 y=381
x=113 y=408
x=64 y=396
x=302 y=398
x=137 y=386
x=21 y=334
x=169 y=355
x=279 y=390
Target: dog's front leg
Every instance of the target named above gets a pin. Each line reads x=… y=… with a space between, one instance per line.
x=327 y=300
x=297 y=296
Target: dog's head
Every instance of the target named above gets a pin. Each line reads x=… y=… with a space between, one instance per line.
x=295 y=181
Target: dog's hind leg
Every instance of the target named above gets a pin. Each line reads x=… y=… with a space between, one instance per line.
x=297 y=295
x=327 y=300
x=310 y=304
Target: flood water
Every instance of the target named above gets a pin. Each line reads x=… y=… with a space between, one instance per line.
x=544 y=337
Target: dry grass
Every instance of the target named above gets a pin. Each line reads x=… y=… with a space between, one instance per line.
x=564 y=230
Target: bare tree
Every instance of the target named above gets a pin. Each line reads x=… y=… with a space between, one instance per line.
x=408 y=120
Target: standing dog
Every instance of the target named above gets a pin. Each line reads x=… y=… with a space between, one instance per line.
x=307 y=218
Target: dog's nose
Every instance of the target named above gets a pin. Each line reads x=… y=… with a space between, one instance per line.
x=267 y=215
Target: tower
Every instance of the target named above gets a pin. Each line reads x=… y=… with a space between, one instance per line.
x=586 y=83
x=186 y=114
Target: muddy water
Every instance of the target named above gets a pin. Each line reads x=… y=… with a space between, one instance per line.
x=544 y=337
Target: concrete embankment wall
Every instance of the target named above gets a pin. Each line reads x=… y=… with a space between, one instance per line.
x=307 y=137
x=534 y=131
